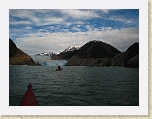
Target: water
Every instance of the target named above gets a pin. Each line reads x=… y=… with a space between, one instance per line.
x=75 y=86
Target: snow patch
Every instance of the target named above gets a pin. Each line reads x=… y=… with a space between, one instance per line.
x=71 y=48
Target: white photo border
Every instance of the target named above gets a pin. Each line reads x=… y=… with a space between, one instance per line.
x=142 y=109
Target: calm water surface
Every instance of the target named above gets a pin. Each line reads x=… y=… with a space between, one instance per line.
x=75 y=85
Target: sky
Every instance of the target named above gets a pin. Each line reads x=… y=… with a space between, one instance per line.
x=53 y=30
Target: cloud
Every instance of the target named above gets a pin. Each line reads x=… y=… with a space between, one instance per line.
x=53 y=20
x=20 y=32
x=52 y=27
x=79 y=14
x=47 y=17
x=20 y=23
x=88 y=27
x=64 y=30
x=76 y=28
x=121 y=38
x=36 y=17
x=58 y=41
x=67 y=17
x=28 y=27
x=54 y=30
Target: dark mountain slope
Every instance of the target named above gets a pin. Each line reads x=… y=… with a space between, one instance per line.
x=64 y=55
x=95 y=53
x=97 y=49
x=12 y=49
x=17 y=56
x=129 y=58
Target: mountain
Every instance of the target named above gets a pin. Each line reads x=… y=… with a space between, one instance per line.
x=66 y=54
x=92 y=49
x=129 y=58
x=98 y=53
x=97 y=49
x=90 y=53
x=93 y=53
x=18 y=57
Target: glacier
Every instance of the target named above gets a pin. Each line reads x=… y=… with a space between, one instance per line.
x=46 y=60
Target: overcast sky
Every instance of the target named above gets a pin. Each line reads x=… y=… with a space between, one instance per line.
x=37 y=30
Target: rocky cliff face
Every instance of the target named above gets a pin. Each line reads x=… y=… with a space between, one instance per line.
x=18 y=57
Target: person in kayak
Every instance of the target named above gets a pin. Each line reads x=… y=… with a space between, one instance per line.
x=59 y=67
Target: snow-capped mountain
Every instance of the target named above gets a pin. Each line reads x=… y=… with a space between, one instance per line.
x=45 y=54
x=71 y=48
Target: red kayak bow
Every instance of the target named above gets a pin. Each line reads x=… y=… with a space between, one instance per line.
x=29 y=98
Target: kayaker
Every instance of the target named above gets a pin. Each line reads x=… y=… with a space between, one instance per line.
x=59 y=67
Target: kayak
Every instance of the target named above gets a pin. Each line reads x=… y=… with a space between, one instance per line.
x=58 y=69
x=29 y=98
